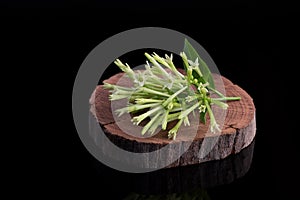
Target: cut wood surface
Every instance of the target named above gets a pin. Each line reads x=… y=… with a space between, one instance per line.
x=237 y=132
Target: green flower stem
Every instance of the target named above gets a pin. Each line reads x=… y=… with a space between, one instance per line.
x=177 y=73
x=155 y=85
x=133 y=97
x=197 y=69
x=219 y=103
x=173 y=68
x=176 y=105
x=216 y=91
x=165 y=120
x=173 y=116
x=172 y=133
x=147 y=90
x=185 y=60
x=113 y=97
x=141 y=107
x=155 y=88
x=186 y=121
x=116 y=87
x=138 y=119
x=176 y=109
x=213 y=124
x=144 y=101
x=188 y=111
x=135 y=107
x=155 y=80
x=227 y=99
x=123 y=92
x=173 y=96
x=156 y=123
x=150 y=123
x=190 y=77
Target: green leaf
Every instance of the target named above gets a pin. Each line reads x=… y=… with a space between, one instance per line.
x=200 y=79
x=192 y=54
x=202 y=117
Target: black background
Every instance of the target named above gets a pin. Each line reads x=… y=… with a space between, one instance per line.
x=253 y=44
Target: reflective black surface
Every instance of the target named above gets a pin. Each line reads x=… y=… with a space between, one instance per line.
x=179 y=180
x=254 y=44
x=244 y=52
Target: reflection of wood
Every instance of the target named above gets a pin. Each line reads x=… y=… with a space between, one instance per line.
x=204 y=175
x=176 y=179
x=237 y=133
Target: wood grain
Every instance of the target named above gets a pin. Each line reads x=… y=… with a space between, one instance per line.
x=237 y=133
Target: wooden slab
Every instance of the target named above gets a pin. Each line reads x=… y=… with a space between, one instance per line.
x=237 y=133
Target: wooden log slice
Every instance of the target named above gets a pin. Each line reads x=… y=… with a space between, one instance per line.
x=237 y=132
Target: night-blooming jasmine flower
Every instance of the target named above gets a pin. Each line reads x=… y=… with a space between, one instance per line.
x=202 y=108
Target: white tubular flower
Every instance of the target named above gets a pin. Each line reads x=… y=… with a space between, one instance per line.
x=185 y=59
x=202 y=108
x=186 y=121
x=121 y=111
x=125 y=68
x=136 y=120
x=140 y=78
x=183 y=56
x=160 y=60
x=147 y=65
x=186 y=112
x=169 y=85
x=215 y=128
x=150 y=126
x=202 y=88
x=165 y=120
x=173 y=132
x=190 y=98
x=169 y=59
x=195 y=64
